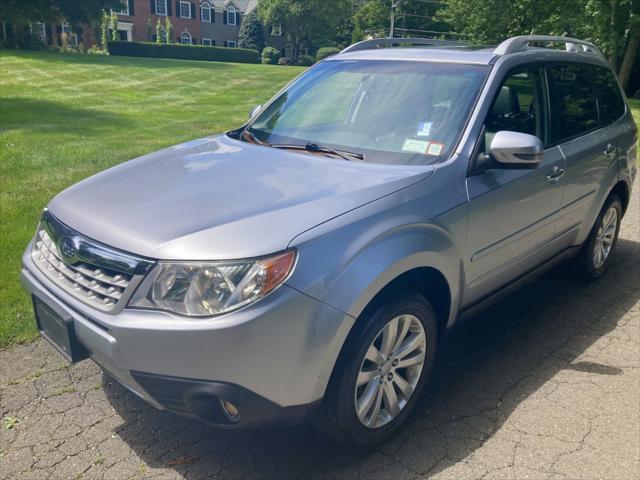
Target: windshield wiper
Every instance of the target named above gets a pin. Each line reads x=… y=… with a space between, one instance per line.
x=313 y=147
x=309 y=147
x=249 y=134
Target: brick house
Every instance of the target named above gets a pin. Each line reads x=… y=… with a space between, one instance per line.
x=197 y=22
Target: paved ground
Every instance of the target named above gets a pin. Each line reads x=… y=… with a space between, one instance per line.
x=544 y=385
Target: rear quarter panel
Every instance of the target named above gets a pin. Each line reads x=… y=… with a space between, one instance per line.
x=628 y=149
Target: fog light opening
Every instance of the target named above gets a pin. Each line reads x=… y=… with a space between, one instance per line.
x=230 y=410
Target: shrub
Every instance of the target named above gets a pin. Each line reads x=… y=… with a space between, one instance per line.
x=113 y=25
x=95 y=50
x=325 y=52
x=104 y=29
x=158 y=32
x=270 y=56
x=306 y=60
x=184 y=52
x=284 y=61
x=168 y=27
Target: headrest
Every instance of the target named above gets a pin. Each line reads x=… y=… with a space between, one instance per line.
x=506 y=101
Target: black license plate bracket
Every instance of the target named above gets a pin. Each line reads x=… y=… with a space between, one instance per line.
x=58 y=331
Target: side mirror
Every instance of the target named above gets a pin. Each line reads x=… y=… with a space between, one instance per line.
x=254 y=110
x=516 y=150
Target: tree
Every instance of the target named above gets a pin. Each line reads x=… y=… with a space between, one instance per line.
x=412 y=19
x=632 y=52
x=371 y=18
x=251 y=33
x=613 y=25
x=72 y=11
x=158 y=31
x=305 y=22
x=168 y=27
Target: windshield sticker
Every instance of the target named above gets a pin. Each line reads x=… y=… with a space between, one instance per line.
x=435 y=148
x=424 y=129
x=415 y=146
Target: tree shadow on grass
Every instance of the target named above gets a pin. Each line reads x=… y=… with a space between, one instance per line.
x=486 y=368
x=44 y=116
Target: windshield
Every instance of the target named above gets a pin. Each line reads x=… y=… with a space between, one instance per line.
x=389 y=111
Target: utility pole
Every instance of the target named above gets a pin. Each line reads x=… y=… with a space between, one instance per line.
x=394 y=5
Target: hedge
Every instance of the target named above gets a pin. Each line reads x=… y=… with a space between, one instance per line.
x=184 y=52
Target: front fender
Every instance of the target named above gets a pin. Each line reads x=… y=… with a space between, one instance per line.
x=346 y=265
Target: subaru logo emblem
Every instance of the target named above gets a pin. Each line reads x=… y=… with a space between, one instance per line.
x=67 y=248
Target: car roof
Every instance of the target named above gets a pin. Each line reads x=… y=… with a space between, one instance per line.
x=433 y=50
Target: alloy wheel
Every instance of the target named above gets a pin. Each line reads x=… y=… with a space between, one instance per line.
x=605 y=237
x=390 y=371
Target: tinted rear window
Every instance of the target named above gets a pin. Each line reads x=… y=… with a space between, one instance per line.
x=611 y=101
x=573 y=102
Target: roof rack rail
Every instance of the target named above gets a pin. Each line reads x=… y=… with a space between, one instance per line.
x=393 y=42
x=521 y=43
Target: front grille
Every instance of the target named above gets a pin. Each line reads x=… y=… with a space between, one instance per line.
x=98 y=286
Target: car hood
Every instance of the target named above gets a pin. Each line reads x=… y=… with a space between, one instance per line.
x=219 y=198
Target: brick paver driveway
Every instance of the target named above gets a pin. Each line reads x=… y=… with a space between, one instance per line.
x=544 y=385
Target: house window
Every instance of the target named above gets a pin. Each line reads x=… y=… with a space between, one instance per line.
x=72 y=38
x=161 y=7
x=231 y=15
x=125 y=8
x=276 y=30
x=185 y=38
x=288 y=51
x=185 y=10
x=231 y=43
x=207 y=42
x=205 y=12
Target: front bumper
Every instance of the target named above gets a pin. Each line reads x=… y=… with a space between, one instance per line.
x=273 y=358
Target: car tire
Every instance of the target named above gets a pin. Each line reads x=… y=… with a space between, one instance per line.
x=398 y=374
x=596 y=251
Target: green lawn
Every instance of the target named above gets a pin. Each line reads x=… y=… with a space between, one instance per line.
x=65 y=117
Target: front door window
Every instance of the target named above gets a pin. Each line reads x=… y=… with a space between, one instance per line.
x=519 y=105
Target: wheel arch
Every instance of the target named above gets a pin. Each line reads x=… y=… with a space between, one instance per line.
x=621 y=189
x=427 y=281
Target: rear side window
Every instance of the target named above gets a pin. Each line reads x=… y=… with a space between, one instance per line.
x=574 y=110
x=609 y=95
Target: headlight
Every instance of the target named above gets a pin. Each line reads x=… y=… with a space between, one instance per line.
x=211 y=288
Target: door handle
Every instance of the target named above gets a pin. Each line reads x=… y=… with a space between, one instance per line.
x=555 y=175
x=610 y=148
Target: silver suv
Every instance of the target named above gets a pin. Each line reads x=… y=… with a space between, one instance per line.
x=307 y=263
